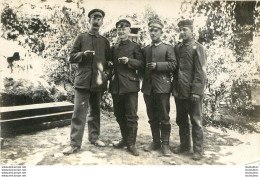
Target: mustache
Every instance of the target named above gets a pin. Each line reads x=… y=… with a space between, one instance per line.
x=96 y=25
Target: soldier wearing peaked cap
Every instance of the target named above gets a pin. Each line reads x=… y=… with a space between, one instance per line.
x=123 y=23
x=160 y=63
x=124 y=86
x=91 y=52
x=155 y=23
x=96 y=12
x=188 y=89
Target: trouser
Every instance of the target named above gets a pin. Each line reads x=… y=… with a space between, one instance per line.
x=158 y=108
x=84 y=99
x=185 y=107
x=125 y=110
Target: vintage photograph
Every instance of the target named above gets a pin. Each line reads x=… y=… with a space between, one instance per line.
x=169 y=83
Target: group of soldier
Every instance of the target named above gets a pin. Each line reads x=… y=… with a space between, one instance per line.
x=165 y=70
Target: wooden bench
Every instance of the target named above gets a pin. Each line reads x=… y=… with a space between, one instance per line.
x=27 y=118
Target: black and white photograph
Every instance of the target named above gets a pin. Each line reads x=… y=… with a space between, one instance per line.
x=129 y=84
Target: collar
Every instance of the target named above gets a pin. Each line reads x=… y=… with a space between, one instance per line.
x=92 y=33
x=125 y=42
x=156 y=44
x=187 y=43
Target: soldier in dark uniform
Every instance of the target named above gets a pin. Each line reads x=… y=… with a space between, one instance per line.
x=188 y=89
x=124 y=85
x=160 y=62
x=91 y=52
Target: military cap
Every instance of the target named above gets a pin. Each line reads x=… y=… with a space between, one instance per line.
x=185 y=23
x=96 y=12
x=155 y=23
x=123 y=23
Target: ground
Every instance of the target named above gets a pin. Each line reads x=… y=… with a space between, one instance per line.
x=45 y=147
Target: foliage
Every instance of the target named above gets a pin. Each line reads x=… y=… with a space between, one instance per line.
x=107 y=103
x=230 y=73
x=32 y=29
x=39 y=91
x=50 y=37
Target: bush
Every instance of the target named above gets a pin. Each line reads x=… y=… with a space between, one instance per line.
x=37 y=91
x=230 y=73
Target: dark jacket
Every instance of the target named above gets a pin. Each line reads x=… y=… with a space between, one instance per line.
x=190 y=78
x=91 y=69
x=124 y=77
x=159 y=80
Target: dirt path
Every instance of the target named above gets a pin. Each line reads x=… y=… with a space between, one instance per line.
x=45 y=147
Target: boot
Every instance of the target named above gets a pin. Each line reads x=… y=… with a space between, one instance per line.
x=132 y=132
x=185 y=141
x=197 y=156
x=152 y=147
x=120 y=144
x=166 y=130
x=181 y=150
x=123 y=142
x=98 y=143
x=166 y=150
x=156 y=144
x=133 y=150
x=71 y=150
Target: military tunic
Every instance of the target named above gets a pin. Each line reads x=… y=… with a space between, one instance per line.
x=190 y=78
x=159 y=80
x=124 y=77
x=90 y=83
x=124 y=87
x=91 y=69
x=157 y=88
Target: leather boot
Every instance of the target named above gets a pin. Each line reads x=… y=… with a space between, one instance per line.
x=185 y=140
x=120 y=144
x=123 y=142
x=166 y=150
x=181 y=150
x=166 y=130
x=156 y=144
x=197 y=156
x=133 y=150
x=132 y=132
x=152 y=147
x=71 y=150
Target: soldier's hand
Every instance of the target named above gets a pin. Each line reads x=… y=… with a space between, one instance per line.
x=110 y=64
x=89 y=52
x=151 y=66
x=195 y=97
x=123 y=60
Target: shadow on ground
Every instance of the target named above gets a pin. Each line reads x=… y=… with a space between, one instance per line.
x=45 y=147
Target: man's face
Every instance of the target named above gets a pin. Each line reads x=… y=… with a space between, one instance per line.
x=185 y=33
x=155 y=33
x=123 y=32
x=95 y=22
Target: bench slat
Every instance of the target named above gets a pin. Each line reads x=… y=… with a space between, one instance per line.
x=34 y=106
x=14 y=112
x=39 y=116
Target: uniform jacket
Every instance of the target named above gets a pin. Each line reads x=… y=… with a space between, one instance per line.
x=190 y=77
x=159 y=80
x=91 y=69
x=124 y=77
